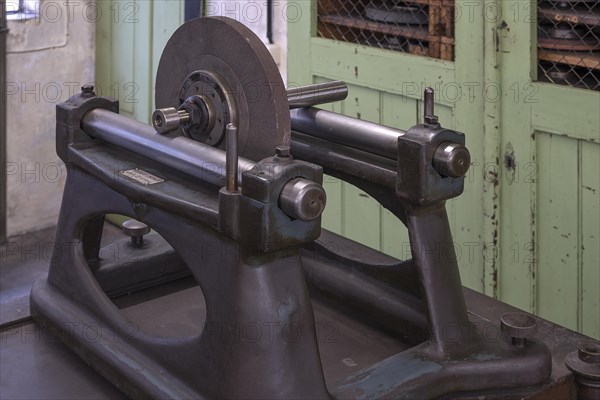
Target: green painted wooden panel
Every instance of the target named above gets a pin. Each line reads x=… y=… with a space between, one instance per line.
x=589 y=313
x=557 y=227
x=129 y=40
x=509 y=107
x=566 y=111
x=568 y=232
x=378 y=69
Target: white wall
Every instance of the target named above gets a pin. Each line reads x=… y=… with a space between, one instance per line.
x=49 y=59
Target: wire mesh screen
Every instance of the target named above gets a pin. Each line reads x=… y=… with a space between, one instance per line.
x=421 y=27
x=569 y=43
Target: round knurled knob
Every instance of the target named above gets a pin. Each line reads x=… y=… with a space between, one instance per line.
x=519 y=326
x=136 y=231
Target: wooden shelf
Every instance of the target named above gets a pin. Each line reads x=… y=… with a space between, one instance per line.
x=591 y=61
x=415 y=32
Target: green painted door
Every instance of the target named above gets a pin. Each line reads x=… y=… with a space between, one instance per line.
x=527 y=228
x=130 y=37
x=549 y=184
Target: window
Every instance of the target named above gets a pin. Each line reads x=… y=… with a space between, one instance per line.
x=569 y=43
x=22 y=9
x=420 y=27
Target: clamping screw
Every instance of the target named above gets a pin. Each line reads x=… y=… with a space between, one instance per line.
x=136 y=231
x=519 y=326
x=282 y=151
x=88 y=90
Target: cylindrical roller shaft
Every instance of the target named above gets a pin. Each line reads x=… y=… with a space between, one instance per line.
x=320 y=93
x=193 y=158
x=352 y=132
x=186 y=155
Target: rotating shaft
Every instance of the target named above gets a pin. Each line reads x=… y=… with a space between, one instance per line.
x=301 y=198
x=170 y=119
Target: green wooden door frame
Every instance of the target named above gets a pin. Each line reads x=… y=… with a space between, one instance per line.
x=502 y=109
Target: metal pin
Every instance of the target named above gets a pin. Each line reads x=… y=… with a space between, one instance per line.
x=429 y=117
x=231 y=159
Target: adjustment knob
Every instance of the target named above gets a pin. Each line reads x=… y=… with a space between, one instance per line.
x=136 y=231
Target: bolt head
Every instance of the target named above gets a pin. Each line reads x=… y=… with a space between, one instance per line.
x=431 y=120
x=282 y=151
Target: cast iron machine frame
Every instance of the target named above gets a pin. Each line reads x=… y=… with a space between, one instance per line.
x=262 y=224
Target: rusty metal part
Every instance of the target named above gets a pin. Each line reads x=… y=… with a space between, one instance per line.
x=573 y=12
x=225 y=47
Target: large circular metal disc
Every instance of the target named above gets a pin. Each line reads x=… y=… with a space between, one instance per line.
x=225 y=47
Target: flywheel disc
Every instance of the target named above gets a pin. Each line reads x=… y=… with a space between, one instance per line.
x=220 y=59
